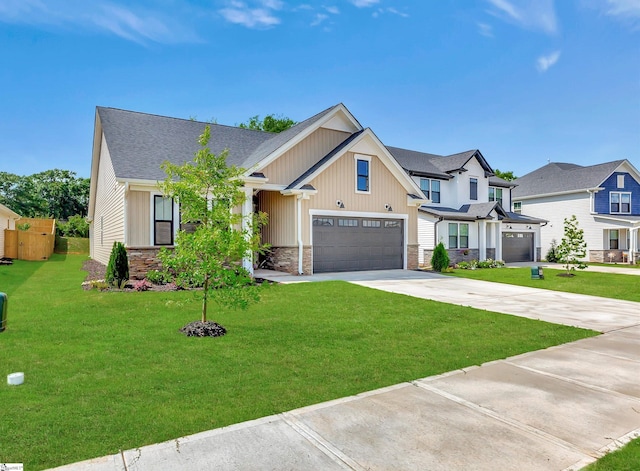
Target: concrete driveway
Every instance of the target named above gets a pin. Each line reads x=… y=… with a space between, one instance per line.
x=554 y=409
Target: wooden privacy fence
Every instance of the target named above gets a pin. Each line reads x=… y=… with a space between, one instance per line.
x=36 y=243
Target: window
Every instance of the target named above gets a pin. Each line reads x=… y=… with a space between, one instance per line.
x=614 y=239
x=362 y=175
x=517 y=207
x=473 y=188
x=348 y=222
x=392 y=224
x=323 y=222
x=620 y=202
x=620 y=181
x=371 y=223
x=431 y=189
x=453 y=235
x=495 y=194
x=162 y=221
x=458 y=235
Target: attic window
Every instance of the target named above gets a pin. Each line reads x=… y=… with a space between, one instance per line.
x=473 y=188
x=620 y=181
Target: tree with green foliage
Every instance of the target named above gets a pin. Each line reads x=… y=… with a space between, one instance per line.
x=270 y=123
x=208 y=191
x=75 y=226
x=508 y=175
x=118 y=266
x=572 y=247
x=440 y=258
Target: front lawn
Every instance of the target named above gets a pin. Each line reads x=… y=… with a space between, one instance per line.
x=606 y=285
x=109 y=370
x=626 y=458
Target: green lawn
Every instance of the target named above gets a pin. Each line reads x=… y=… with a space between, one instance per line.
x=110 y=371
x=607 y=285
x=625 y=459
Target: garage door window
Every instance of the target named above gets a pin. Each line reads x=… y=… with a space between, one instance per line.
x=370 y=223
x=391 y=224
x=348 y=222
x=323 y=222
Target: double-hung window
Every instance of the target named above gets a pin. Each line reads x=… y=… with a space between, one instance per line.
x=620 y=202
x=363 y=168
x=458 y=235
x=614 y=239
x=495 y=194
x=431 y=189
x=517 y=207
x=162 y=220
x=473 y=188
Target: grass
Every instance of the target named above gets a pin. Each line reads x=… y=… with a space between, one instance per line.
x=606 y=285
x=109 y=371
x=626 y=458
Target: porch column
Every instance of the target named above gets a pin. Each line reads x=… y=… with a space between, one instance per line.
x=247 y=216
x=633 y=244
x=498 y=229
x=482 y=240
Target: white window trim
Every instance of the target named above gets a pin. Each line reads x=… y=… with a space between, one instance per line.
x=176 y=219
x=458 y=236
x=620 y=193
x=514 y=207
x=495 y=192
x=368 y=159
x=477 y=179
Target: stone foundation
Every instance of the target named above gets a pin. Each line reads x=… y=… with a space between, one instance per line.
x=412 y=257
x=603 y=256
x=142 y=260
x=286 y=259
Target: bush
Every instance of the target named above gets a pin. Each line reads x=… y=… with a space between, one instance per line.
x=76 y=226
x=118 y=267
x=157 y=277
x=473 y=264
x=440 y=258
x=552 y=256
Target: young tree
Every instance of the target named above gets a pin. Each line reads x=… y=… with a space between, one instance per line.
x=209 y=191
x=572 y=247
x=270 y=123
x=118 y=268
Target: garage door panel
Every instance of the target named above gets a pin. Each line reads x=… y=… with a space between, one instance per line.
x=369 y=245
x=517 y=247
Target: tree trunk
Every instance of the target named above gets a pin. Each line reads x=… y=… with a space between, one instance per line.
x=204 y=299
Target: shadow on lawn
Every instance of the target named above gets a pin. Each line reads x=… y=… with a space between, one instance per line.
x=13 y=276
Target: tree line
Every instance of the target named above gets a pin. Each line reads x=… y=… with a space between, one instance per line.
x=56 y=193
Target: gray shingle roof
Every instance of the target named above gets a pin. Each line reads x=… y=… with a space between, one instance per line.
x=139 y=142
x=497 y=181
x=559 y=177
x=467 y=212
x=437 y=166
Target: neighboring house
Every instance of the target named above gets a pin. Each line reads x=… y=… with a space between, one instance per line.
x=467 y=209
x=337 y=199
x=8 y=220
x=605 y=199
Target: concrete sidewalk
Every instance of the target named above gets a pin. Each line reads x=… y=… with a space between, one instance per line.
x=553 y=409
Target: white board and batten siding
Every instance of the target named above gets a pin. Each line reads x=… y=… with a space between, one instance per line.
x=108 y=222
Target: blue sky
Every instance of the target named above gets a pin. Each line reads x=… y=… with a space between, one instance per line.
x=524 y=81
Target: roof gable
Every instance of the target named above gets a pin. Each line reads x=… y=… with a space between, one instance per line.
x=438 y=166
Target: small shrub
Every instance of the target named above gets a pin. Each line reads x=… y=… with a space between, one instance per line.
x=440 y=258
x=157 y=277
x=552 y=256
x=99 y=285
x=23 y=227
x=463 y=265
x=118 y=267
x=142 y=285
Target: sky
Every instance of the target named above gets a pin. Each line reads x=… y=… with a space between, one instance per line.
x=524 y=81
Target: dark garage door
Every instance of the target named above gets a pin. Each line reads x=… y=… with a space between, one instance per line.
x=354 y=244
x=517 y=246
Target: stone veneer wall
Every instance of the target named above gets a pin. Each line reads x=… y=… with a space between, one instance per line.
x=412 y=257
x=142 y=260
x=286 y=259
x=455 y=255
x=602 y=256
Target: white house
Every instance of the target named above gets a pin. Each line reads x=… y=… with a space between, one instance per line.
x=8 y=220
x=467 y=210
x=605 y=198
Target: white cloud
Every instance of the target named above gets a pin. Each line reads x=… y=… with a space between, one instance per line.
x=396 y=12
x=393 y=11
x=364 y=3
x=485 y=30
x=536 y=15
x=319 y=18
x=627 y=11
x=259 y=17
x=545 y=62
x=140 y=26
x=333 y=10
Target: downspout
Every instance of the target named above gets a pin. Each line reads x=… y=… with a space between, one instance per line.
x=299 y=229
x=435 y=231
x=126 y=214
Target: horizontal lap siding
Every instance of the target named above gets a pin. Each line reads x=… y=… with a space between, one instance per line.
x=108 y=223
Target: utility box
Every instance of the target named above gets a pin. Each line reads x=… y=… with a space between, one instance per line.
x=537 y=273
x=3 y=311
